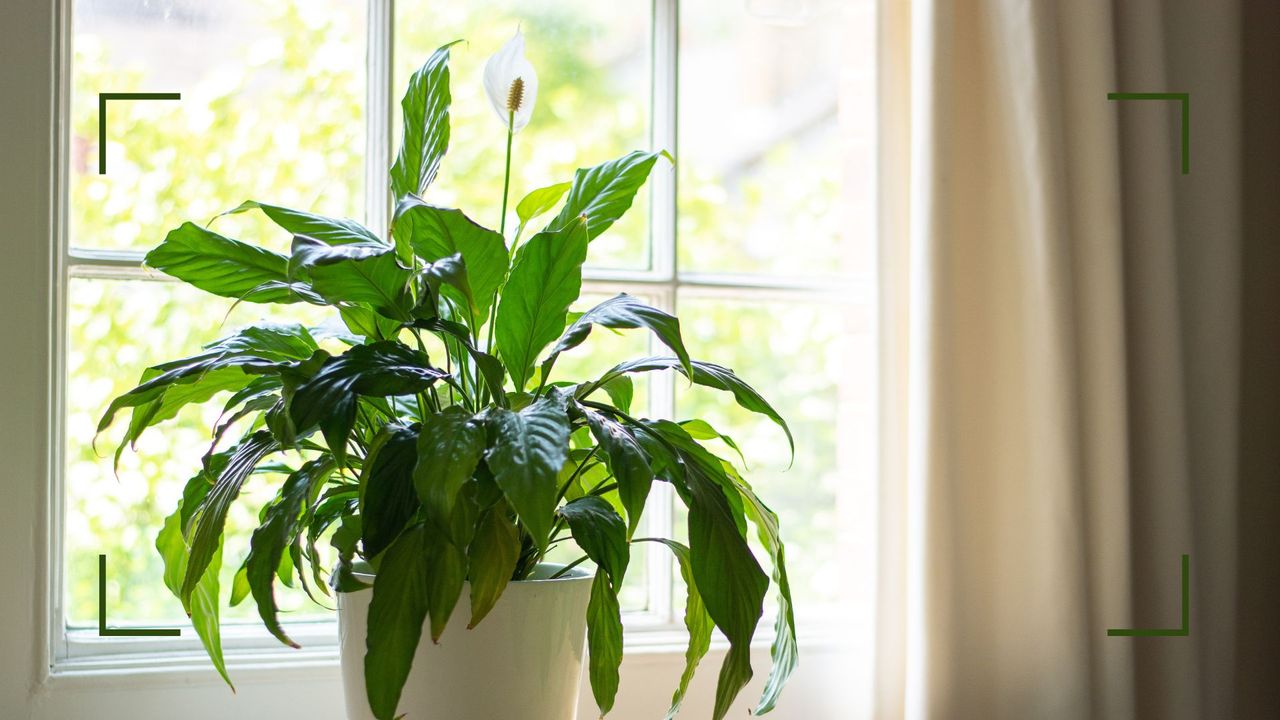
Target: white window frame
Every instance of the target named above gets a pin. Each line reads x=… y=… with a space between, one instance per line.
x=52 y=676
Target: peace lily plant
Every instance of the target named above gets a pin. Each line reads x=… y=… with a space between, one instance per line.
x=428 y=437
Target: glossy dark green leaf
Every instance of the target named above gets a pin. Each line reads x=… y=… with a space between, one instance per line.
x=212 y=513
x=446 y=573
x=426 y=126
x=203 y=605
x=334 y=231
x=449 y=446
x=328 y=399
x=363 y=321
x=397 y=612
x=540 y=201
x=388 y=500
x=545 y=279
x=602 y=535
x=271 y=538
x=627 y=462
x=220 y=265
x=704 y=373
x=367 y=273
x=526 y=451
x=434 y=233
x=696 y=622
x=492 y=558
x=605 y=192
x=623 y=312
x=604 y=643
x=448 y=274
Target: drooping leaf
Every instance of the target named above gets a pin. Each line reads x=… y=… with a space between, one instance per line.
x=785 y=652
x=434 y=233
x=545 y=279
x=604 y=643
x=696 y=622
x=704 y=373
x=703 y=430
x=446 y=573
x=601 y=534
x=365 y=273
x=605 y=192
x=328 y=398
x=397 y=612
x=450 y=444
x=220 y=265
x=334 y=231
x=203 y=606
x=621 y=391
x=212 y=513
x=623 y=311
x=626 y=460
x=540 y=201
x=426 y=126
x=269 y=540
x=526 y=451
x=388 y=500
x=492 y=558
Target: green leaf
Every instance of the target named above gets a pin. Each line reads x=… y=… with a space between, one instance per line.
x=446 y=573
x=696 y=621
x=604 y=643
x=526 y=452
x=388 y=500
x=702 y=430
x=705 y=374
x=269 y=540
x=450 y=444
x=365 y=322
x=397 y=612
x=203 y=606
x=367 y=273
x=601 y=534
x=211 y=515
x=435 y=233
x=785 y=651
x=621 y=391
x=334 y=231
x=545 y=280
x=492 y=557
x=540 y=201
x=328 y=399
x=447 y=274
x=622 y=312
x=605 y=192
x=490 y=367
x=627 y=462
x=220 y=265
x=426 y=126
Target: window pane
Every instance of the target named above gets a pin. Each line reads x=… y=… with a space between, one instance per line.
x=592 y=60
x=116 y=328
x=775 y=155
x=814 y=362
x=271 y=109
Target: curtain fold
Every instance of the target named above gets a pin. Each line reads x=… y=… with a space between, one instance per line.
x=1061 y=354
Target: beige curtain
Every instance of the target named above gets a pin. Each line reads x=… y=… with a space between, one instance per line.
x=1062 y=368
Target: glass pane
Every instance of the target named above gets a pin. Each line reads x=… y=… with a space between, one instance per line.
x=819 y=372
x=115 y=329
x=775 y=155
x=592 y=60
x=271 y=109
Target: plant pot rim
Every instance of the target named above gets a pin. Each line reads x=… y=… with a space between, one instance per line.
x=364 y=573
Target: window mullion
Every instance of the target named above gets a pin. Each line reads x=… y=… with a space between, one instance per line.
x=378 y=112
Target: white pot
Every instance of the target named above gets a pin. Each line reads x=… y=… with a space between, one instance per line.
x=524 y=660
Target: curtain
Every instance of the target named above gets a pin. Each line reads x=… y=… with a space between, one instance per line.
x=1065 y=340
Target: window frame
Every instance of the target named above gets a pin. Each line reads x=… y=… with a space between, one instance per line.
x=120 y=664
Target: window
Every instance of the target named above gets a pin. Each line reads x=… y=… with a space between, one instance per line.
x=761 y=238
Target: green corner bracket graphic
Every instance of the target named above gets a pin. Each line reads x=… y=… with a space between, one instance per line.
x=1183 y=631
x=104 y=631
x=1185 y=99
x=102 y=118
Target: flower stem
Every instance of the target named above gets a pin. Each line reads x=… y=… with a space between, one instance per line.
x=502 y=221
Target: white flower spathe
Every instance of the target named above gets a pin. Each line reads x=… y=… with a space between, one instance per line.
x=511 y=84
